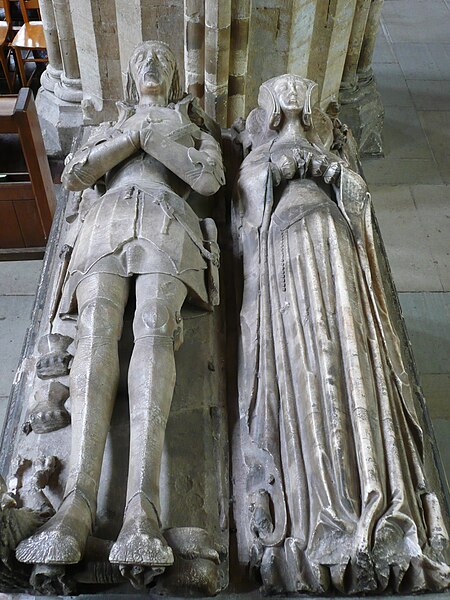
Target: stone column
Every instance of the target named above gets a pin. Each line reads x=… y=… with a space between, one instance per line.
x=52 y=73
x=361 y=105
x=97 y=43
x=194 y=47
x=58 y=100
x=69 y=88
x=237 y=79
x=331 y=35
x=301 y=35
x=370 y=36
x=217 y=58
x=349 y=76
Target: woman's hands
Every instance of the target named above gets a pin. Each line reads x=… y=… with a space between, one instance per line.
x=298 y=162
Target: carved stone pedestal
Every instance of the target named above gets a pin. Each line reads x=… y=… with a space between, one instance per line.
x=59 y=119
x=362 y=110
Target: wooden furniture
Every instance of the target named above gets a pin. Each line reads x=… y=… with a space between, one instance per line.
x=27 y=200
x=29 y=39
x=5 y=31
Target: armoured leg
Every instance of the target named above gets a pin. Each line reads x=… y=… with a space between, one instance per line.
x=93 y=384
x=151 y=380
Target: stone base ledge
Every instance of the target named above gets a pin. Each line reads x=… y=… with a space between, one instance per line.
x=60 y=121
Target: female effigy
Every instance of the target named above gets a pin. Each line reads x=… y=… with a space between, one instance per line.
x=339 y=488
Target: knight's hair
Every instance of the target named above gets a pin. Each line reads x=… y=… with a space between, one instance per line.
x=175 y=92
x=267 y=99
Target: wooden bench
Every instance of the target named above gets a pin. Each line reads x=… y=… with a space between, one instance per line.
x=27 y=200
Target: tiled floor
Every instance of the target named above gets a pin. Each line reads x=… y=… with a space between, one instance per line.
x=410 y=191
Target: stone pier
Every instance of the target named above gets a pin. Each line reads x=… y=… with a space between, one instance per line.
x=227 y=47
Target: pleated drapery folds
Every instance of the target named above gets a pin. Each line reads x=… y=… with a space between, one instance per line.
x=341 y=484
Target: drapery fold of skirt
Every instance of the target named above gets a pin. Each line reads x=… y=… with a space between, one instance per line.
x=340 y=430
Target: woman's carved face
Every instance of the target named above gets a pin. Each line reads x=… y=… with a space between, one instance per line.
x=152 y=70
x=290 y=92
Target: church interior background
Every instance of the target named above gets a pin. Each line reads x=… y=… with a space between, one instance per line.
x=409 y=186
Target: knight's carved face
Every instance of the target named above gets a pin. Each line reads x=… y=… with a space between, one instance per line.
x=152 y=68
x=290 y=92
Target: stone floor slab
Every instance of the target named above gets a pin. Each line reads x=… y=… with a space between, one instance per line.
x=427 y=317
x=436 y=125
x=383 y=52
x=20 y=278
x=3 y=407
x=433 y=208
x=392 y=86
x=401 y=171
x=429 y=95
x=15 y=314
x=441 y=431
x=423 y=60
x=403 y=134
x=402 y=18
x=407 y=247
x=436 y=388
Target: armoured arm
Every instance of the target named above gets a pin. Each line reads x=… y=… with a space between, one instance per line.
x=200 y=167
x=95 y=159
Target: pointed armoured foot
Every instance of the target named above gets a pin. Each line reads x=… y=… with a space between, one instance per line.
x=50 y=548
x=61 y=541
x=141 y=543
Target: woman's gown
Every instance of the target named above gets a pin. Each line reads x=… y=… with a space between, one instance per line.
x=332 y=434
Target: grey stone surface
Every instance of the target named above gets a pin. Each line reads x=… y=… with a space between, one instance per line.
x=422 y=21
x=392 y=86
x=3 y=410
x=383 y=49
x=403 y=135
x=424 y=61
x=401 y=171
x=427 y=319
x=407 y=245
x=437 y=125
x=15 y=312
x=20 y=278
x=60 y=121
x=441 y=431
x=429 y=95
x=436 y=388
x=431 y=204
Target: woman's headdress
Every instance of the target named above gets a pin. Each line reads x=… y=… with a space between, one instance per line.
x=268 y=100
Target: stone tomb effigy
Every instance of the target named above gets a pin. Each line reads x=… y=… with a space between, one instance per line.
x=335 y=481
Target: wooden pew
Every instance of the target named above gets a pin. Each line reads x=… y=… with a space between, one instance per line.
x=27 y=200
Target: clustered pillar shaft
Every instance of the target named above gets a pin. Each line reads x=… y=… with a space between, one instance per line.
x=361 y=105
x=53 y=72
x=69 y=88
x=194 y=47
x=217 y=58
x=370 y=36
x=229 y=48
